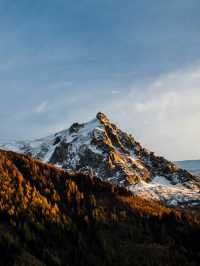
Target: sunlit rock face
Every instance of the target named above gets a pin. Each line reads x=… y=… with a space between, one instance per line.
x=101 y=148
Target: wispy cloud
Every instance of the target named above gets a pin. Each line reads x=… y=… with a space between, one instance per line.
x=41 y=108
x=166 y=115
x=163 y=114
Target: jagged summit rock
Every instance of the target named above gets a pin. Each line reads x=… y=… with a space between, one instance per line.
x=102 y=149
x=102 y=117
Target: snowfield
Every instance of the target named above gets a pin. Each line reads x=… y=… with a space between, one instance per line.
x=160 y=189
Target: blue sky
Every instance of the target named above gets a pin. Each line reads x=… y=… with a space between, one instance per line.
x=136 y=60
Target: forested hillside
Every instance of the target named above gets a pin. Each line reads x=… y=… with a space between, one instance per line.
x=51 y=217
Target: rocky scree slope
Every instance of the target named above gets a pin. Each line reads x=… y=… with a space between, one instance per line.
x=99 y=147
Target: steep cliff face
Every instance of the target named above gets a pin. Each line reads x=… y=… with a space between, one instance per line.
x=101 y=148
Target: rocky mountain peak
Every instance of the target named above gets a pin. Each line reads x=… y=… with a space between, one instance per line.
x=99 y=147
x=102 y=118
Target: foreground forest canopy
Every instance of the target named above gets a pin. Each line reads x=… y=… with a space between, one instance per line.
x=52 y=217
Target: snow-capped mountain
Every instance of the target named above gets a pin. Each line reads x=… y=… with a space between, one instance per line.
x=101 y=148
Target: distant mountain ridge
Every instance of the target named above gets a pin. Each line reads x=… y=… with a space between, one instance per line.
x=102 y=149
x=192 y=166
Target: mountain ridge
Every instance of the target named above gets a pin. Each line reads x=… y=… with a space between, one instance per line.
x=102 y=149
x=192 y=166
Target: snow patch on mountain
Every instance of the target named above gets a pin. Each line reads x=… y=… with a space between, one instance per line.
x=160 y=189
x=102 y=149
